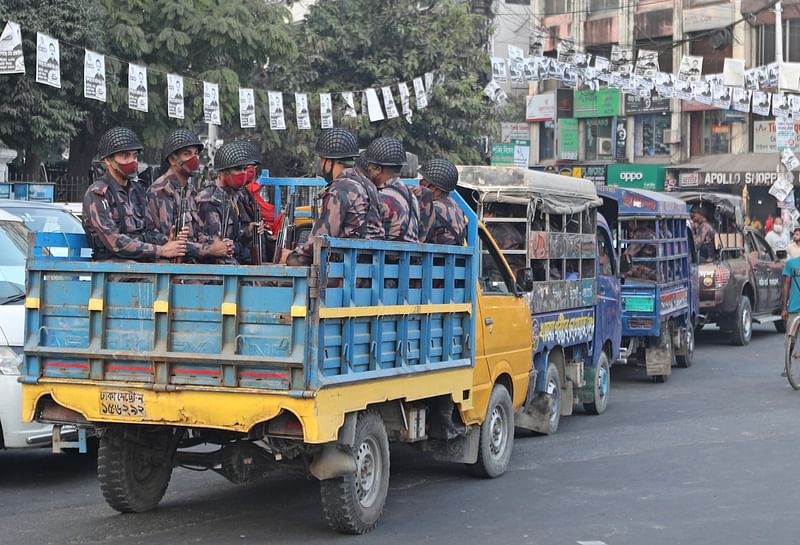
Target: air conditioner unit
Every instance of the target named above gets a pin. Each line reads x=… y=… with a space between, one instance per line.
x=672 y=137
x=604 y=146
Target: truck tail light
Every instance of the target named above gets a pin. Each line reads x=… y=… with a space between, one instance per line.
x=721 y=276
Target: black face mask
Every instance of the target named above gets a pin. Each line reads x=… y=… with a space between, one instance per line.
x=320 y=171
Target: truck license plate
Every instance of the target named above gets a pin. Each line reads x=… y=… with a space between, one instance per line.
x=121 y=403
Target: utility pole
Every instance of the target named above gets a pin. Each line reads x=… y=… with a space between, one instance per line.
x=779 y=33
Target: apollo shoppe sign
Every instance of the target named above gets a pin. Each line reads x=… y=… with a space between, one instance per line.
x=637 y=176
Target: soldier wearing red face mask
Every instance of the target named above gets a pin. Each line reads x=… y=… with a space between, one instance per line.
x=114 y=206
x=223 y=206
x=171 y=200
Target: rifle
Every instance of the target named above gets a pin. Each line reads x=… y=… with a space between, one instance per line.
x=179 y=221
x=258 y=236
x=286 y=234
x=226 y=215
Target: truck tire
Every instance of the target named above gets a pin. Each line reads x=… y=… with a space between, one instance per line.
x=553 y=388
x=496 y=436
x=685 y=360
x=353 y=504
x=602 y=387
x=743 y=327
x=133 y=472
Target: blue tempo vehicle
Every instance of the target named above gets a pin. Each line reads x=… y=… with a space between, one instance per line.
x=660 y=290
x=560 y=248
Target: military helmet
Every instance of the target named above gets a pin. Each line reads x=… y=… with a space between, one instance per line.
x=336 y=144
x=179 y=139
x=255 y=154
x=440 y=173
x=116 y=140
x=386 y=151
x=361 y=161
x=233 y=154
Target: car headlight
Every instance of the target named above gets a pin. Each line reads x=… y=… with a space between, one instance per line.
x=10 y=360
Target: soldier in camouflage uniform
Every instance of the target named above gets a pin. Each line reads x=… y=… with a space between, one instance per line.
x=350 y=206
x=385 y=157
x=704 y=234
x=224 y=206
x=172 y=192
x=440 y=177
x=114 y=206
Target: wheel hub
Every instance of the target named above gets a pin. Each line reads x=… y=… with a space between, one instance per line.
x=602 y=380
x=497 y=427
x=747 y=323
x=368 y=473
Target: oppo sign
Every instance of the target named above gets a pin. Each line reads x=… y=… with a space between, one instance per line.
x=630 y=176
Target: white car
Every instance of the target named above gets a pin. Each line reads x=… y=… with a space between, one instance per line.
x=17 y=219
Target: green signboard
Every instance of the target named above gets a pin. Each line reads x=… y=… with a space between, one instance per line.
x=503 y=155
x=568 y=139
x=600 y=103
x=637 y=176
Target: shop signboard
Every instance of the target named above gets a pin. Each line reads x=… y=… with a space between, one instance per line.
x=765 y=135
x=502 y=155
x=541 y=108
x=514 y=131
x=567 y=139
x=634 y=104
x=637 y=176
x=721 y=179
x=601 y=103
x=593 y=173
x=522 y=153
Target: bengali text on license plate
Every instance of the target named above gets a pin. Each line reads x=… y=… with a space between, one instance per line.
x=120 y=403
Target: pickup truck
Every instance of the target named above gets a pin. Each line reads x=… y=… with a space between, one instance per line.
x=249 y=370
x=741 y=282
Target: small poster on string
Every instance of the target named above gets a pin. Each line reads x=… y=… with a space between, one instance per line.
x=647 y=63
x=741 y=99
x=621 y=58
x=691 y=68
x=499 y=69
x=12 y=60
x=721 y=96
x=349 y=104
x=761 y=102
x=374 y=105
x=789 y=160
x=701 y=91
x=733 y=72
x=536 y=46
x=419 y=93
x=773 y=74
x=665 y=84
x=137 y=87
x=94 y=76
x=516 y=58
x=325 y=111
x=566 y=51
x=783 y=186
x=175 y=96
x=247 y=108
x=364 y=108
x=788 y=202
x=780 y=105
x=301 y=111
x=405 y=101
x=763 y=76
x=751 y=79
x=794 y=106
x=211 y=103
x=277 y=122
x=388 y=103
x=530 y=69
x=48 y=61
x=495 y=93
x=603 y=67
x=429 y=84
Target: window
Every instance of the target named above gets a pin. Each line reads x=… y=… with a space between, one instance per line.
x=765 y=42
x=494 y=276
x=604 y=254
x=598 y=139
x=600 y=6
x=711 y=133
x=649 y=135
x=557 y=7
x=713 y=48
x=547 y=139
x=763 y=249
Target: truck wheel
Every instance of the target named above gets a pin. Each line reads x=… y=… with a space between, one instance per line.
x=497 y=436
x=353 y=504
x=553 y=389
x=780 y=326
x=602 y=385
x=687 y=358
x=134 y=472
x=743 y=329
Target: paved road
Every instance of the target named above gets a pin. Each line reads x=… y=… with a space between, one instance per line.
x=708 y=458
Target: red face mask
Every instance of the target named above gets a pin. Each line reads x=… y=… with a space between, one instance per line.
x=129 y=170
x=236 y=180
x=251 y=173
x=192 y=164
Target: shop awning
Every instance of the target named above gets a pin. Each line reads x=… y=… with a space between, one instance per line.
x=752 y=169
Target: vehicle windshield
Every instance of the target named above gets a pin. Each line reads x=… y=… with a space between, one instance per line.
x=13 y=252
x=47 y=220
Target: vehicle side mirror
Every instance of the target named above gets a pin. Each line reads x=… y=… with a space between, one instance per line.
x=524 y=279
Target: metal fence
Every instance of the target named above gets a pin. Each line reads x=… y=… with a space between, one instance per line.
x=67 y=188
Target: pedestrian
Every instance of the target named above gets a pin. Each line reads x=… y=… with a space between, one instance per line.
x=223 y=213
x=793 y=248
x=114 y=206
x=172 y=199
x=777 y=238
x=790 y=308
x=385 y=158
x=440 y=177
x=351 y=207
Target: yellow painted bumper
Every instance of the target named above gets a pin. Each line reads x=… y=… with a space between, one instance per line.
x=238 y=410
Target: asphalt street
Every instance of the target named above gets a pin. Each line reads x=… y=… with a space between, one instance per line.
x=707 y=458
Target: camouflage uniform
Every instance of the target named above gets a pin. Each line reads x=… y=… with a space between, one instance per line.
x=163 y=201
x=507 y=237
x=641 y=270
x=211 y=203
x=114 y=219
x=427 y=215
x=449 y=226
x=350 y=208
x=704 y=235
x=400 y=212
